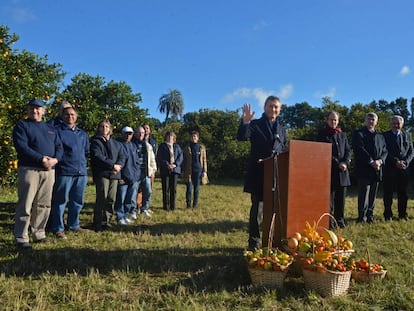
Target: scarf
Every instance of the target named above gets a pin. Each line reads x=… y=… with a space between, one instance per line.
x=332 y=131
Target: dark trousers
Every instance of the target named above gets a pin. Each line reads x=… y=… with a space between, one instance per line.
x=255 y=223
x=193 y=184
x=103 y=211
x=367 y=192
x=395 y=183
x=169 y=190
x=337 y=206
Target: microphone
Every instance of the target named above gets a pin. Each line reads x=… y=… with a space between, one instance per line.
x=277 y=143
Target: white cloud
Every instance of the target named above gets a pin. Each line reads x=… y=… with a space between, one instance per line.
x=331 y=93
x=257 y=94
x=260 y=25
x=20 y=15
x=405 y=70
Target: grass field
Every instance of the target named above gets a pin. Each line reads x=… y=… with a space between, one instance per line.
x=187 y=260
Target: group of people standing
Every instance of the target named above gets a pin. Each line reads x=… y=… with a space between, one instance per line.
x=52 y=173
x=378 y=157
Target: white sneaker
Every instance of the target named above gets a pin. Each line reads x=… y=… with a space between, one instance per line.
x=133 y=216
x=122 y=222
x=146 y=213
x=128 y=221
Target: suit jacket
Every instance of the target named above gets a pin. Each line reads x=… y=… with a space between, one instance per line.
x=368 y=147
x=341 y=152
x=398 y=149
x=265 y=141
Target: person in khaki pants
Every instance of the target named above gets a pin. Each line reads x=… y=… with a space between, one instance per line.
x=38 y=149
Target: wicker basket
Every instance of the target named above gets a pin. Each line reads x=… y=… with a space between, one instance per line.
x=270 y=278
x=327 y=283
x=368 y=276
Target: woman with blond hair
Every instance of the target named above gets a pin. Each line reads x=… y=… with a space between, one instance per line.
x=169 y=160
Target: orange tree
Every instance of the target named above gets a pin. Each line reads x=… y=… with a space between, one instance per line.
x=23 y=75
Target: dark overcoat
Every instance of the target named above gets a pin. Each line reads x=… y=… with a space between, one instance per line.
x=265 y=140
x=341 y=152
x=368 y=146
x=399 y=149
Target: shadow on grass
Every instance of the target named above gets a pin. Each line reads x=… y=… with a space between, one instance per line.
x=208 y=265
x=199 y=269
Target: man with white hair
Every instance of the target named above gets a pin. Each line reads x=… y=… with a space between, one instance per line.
x=400 y=154
x=370 y=154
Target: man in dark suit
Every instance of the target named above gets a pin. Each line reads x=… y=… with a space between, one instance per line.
x=400 y=154
x=267 y=138
x=341 y=158
x=370 y=154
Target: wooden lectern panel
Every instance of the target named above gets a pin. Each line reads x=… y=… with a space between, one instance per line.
x=301 y=180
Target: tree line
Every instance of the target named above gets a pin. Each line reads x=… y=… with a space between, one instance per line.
x=25 y=75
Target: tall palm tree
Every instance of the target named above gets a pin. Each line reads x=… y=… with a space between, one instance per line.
x=173 y=103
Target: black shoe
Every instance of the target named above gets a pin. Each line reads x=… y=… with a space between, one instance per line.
x=42 y=240
x=24 y=245
x=404 y=218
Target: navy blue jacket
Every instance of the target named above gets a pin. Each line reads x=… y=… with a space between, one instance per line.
x=75 y=151
x=368 y=147
x=131 y=171
x=33 y=140
x=264 y=142
x=163 y=159
x=104 y=154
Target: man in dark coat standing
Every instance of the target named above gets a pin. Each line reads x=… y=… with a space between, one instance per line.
x=341 y=158
x=370 y=154
x=400 y=154
x=267 y=138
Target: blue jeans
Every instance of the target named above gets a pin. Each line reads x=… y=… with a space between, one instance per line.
x=145 y=184
x=194 y=182
x=70 y=191
x=126 y=199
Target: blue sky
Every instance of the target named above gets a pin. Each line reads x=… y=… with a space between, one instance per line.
x=223 y=53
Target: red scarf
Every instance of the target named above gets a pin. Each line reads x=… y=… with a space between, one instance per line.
x=332 y=131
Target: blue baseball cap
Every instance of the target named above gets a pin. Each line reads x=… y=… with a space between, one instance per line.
x=35 y=102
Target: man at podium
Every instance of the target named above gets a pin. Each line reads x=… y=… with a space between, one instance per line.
x=267 y=138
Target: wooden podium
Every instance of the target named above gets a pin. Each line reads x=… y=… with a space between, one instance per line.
x=296 y=188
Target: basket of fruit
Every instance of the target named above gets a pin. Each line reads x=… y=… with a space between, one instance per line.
x=316 y=239
x=268 y=266
x=327 y=274
x=364 y=271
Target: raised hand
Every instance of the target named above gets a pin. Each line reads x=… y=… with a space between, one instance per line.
x=247 y=115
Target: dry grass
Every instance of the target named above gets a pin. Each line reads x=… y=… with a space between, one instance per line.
x=186 y=260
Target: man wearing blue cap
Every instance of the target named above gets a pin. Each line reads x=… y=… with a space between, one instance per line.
x=38 y=149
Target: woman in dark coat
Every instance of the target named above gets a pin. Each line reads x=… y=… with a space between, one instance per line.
x=341 y=158
x=169 y=160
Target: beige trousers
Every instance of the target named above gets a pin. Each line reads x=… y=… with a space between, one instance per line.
x=34 y=189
